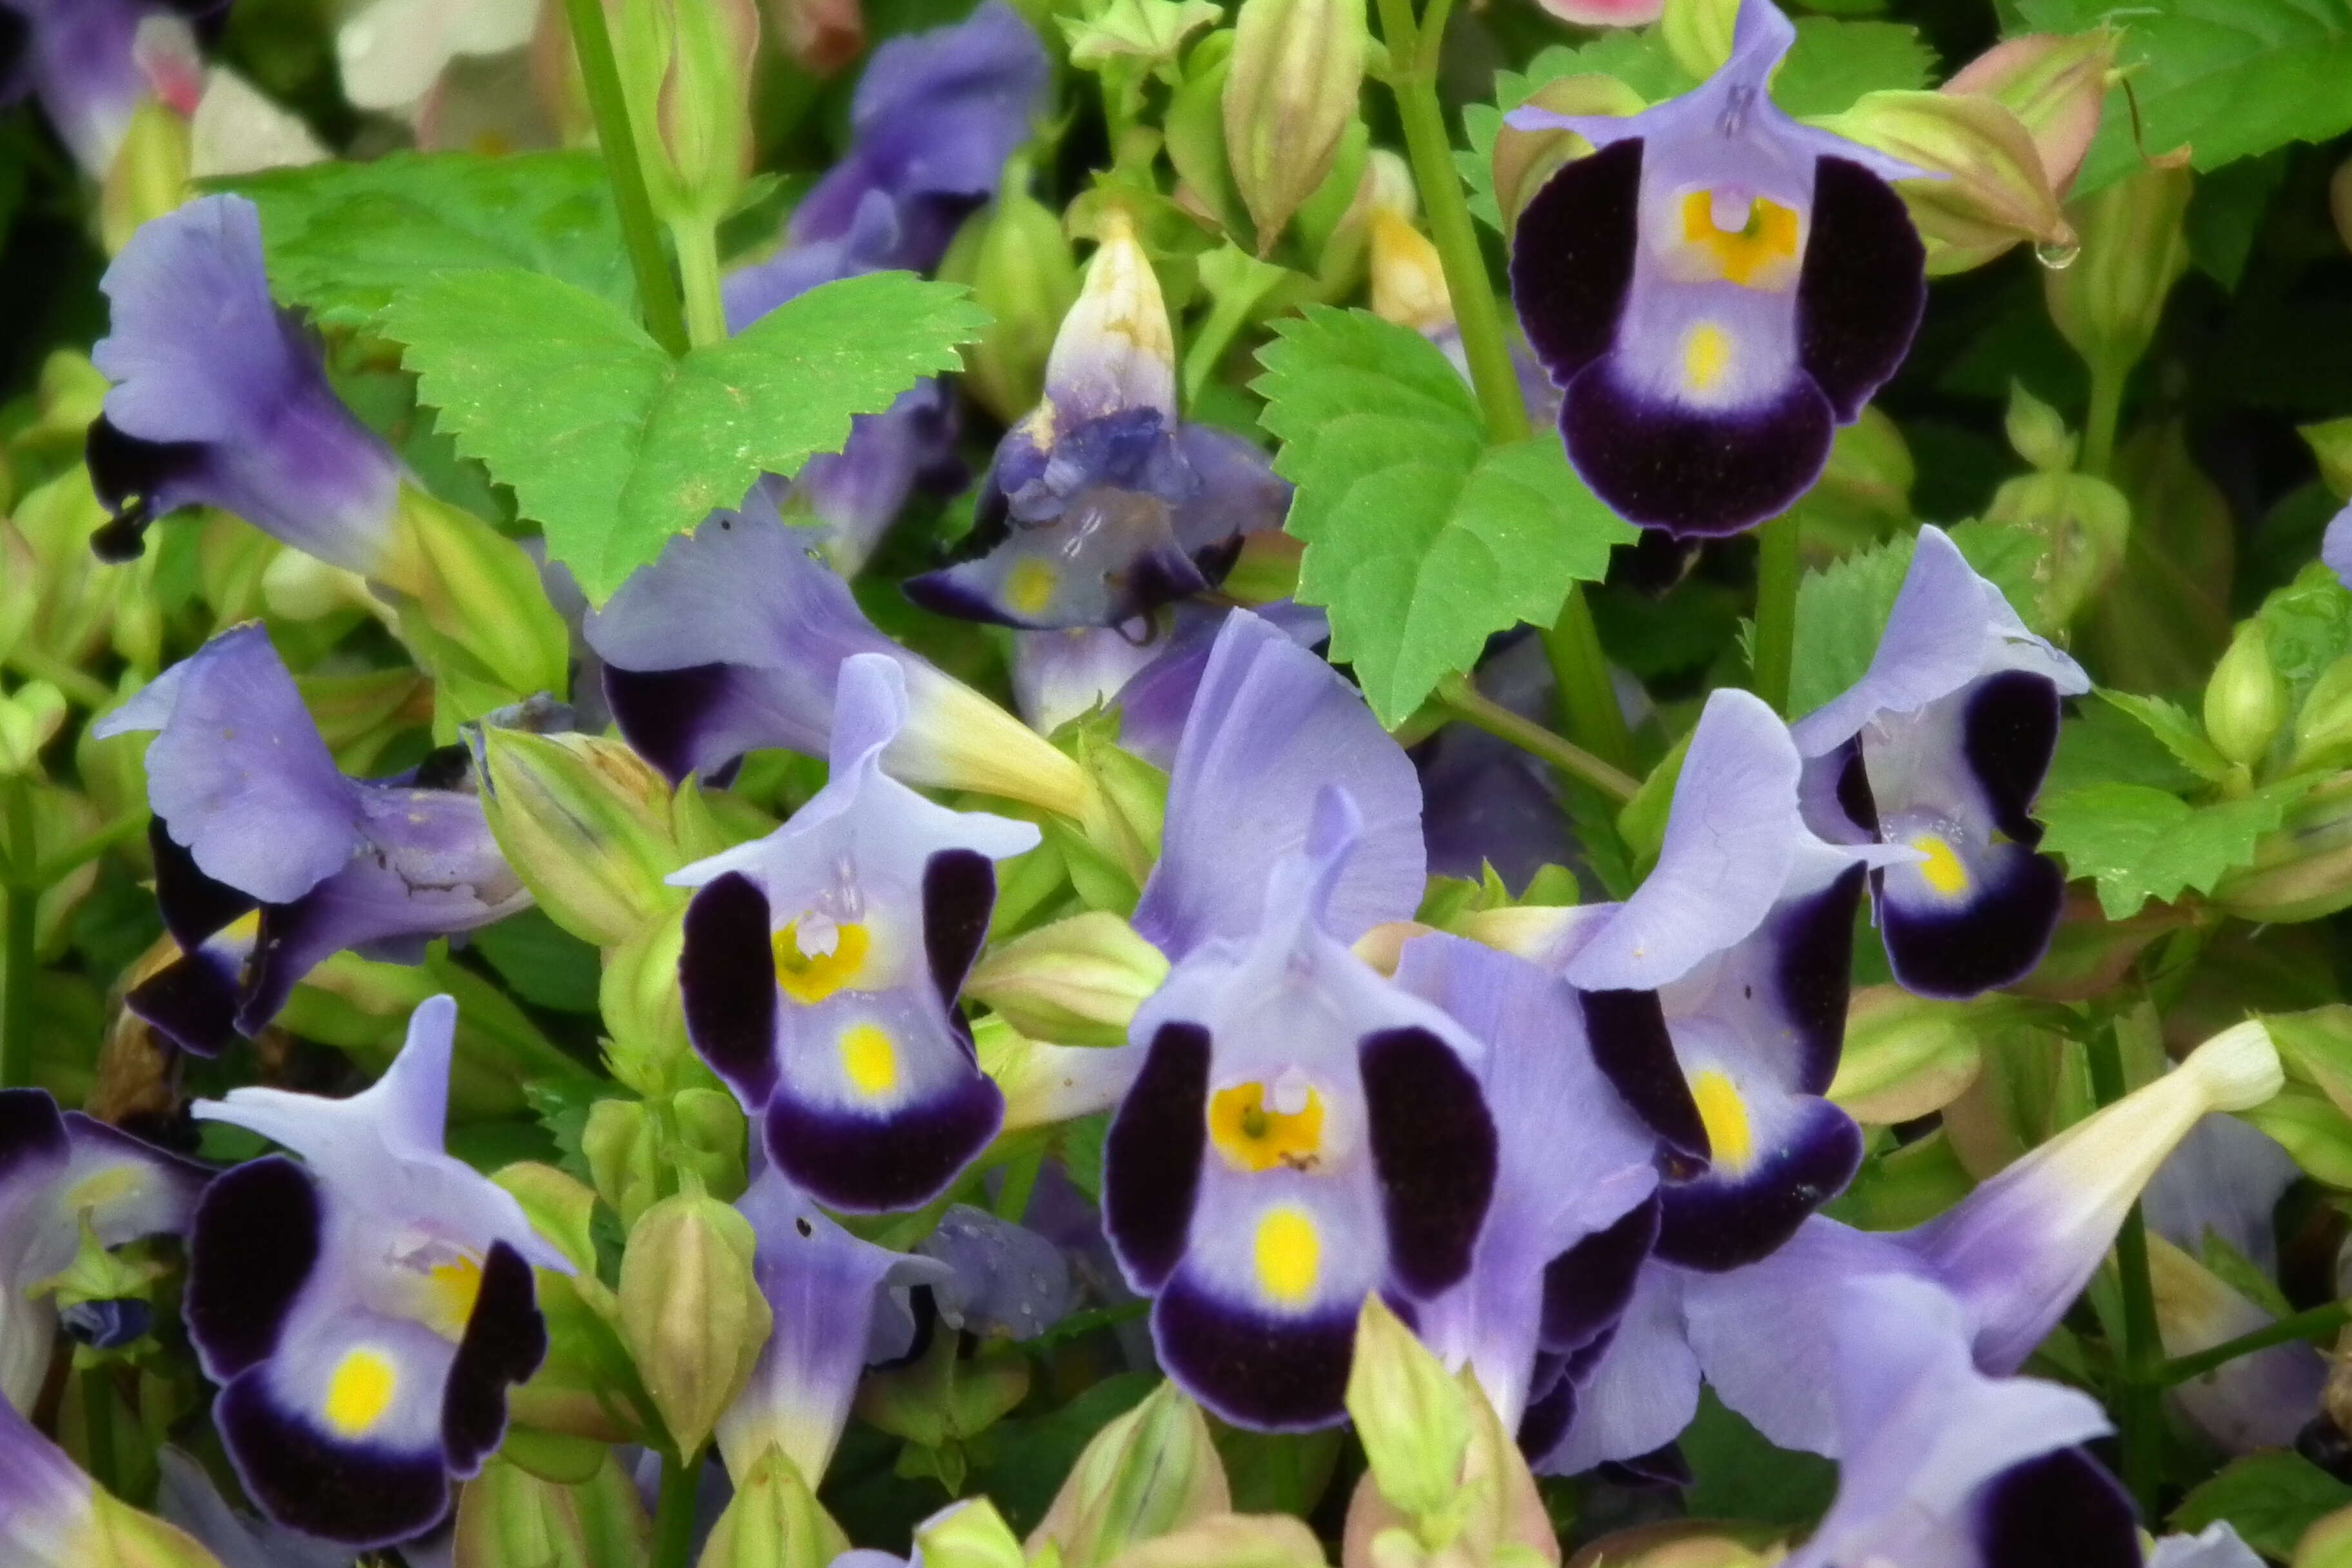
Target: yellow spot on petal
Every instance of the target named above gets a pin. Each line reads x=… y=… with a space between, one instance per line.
x=102 y=1188
x=1289 y=1255
x=1941 y=869
x=1724 y=1116
x=1707 y=353
x=1252 y=1137
x=1029 y=587
x=360 y=1392
x=870 y=1059
x=449 y=1291
x=1760 y=254
x=811 y=977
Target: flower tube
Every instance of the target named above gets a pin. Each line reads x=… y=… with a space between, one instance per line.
x=268 y=859
x=1715 y=290
x=365 y=1310
x=1941 y=746
x=821 y=965
x=59 y=1173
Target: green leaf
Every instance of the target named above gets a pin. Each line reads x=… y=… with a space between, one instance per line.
x=2227 y=79
x=2182 y=735
x=1737 y=1474
x=2105 y=745
x=2270 y=1499
x=611 y=445
x=1834 y=62
x=343 y=238
x=2143 y=843
x=2309 y=1126
x=1420 y=542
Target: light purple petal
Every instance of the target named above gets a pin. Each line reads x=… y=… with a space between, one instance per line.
x=1006 y=1279
x=2226 y=1178
x=46 y=1510
x=2336 y=546
x=1272 y=728
x=2215 y=1546
x=1644 y=1390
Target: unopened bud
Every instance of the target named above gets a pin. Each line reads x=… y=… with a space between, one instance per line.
x=477 y=612
x=586 y=823
x=1126 y=812
x=2245 y=702
x=1076 y=982
x=946 y=1396
x=20 y=587
x=1994 y=190
x=506 y=1515
x=148 y=176
x=1412 y=1417
x=1237 y=1540
x=30 y=717
x=560 y=1206
x=2330 y=441
x=1297 y=67
x=2323 y=728
x=968 y=1535
x=691 y=1311
x=1524 y=160
x=2082 y=523
x=1408 y=276
x=1153 y=1470
x=705 y=112
x=2038 y=432
x=2303 y=871
x=1195 y=126
x=2055 y=83
x=710 y=1139
x=2134 y=248
x=821 y=35
x=639 y=998
x=774 y=1522
x=1905 y=1055
x=624 y=1159
x=1018 y=262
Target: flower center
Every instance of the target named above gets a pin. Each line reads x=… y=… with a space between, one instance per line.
x=816 y=957
x=1730 y=1137
x=1756 y=248
x=1253 y=1135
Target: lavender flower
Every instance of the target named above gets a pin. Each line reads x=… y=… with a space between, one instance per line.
x=1715 y=290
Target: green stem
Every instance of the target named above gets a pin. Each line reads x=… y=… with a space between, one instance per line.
x=673 y=1510
x=97 y=1424
x=1778 y=566
x=1463 y=701
x=1579 y=673
x=85 y=690
x=16 y=974
x=601 y=74
x=2106 y=409
x=2139 y=1414
x=1413 y=61
x=2286 y=1331
x=698 y=270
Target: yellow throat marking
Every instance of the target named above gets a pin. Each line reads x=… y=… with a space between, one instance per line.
x=811 y=977
x=1941 y=870
x=869 y=1058
x=1707 y=355
x=358 y=1392
x=1029 y=587
x=1724 y=1116
x=1289 y=1255
x=449 y=1291
x=1766 y=243
x=1254 y=1138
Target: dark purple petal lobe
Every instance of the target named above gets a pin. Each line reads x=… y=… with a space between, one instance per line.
x=1151 y=1158
x=1572 y=257
x=727 y=978
x=1434 y=1146
x=1863 y=286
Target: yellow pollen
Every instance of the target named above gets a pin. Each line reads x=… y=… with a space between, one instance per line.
x=1029 y=587
x=870 y=1059
x=1289 y=1255
x=1724 y=1116
x=450 y=1289
x=1762 y=245
x=358 y=1393
x=1941 y=869
x=1253 y=1137
x=808 y=977
x=1707 y=353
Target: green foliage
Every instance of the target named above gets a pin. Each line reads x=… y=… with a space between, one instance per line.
x=2175 y=730
x=2270 y=1499
x=2142 y=843
x=1842 y=610
x=1737 y=1474
x=1420 y=542
x=611 y=445
x=342 y=239
x=2226 y=79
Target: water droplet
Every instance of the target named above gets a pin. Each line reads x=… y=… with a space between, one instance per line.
x=2058 y=257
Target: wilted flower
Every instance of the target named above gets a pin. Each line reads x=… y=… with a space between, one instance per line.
x=1101 y=506
x=1715 y=289
x=821 y=965
x=58 y=1173
x=1941 y=747
x=220 y=400
x=364 y=1311
x=268 y=859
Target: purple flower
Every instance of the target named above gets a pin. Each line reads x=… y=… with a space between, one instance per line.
x=1100 y=506
x=822 y=965
x=1941 y=746
x=268 y=860
x=77 y=58
x=734 y=639
x=827 y=1289
x=1001 y=1279
x=219 y=400
x=52 y=1515
x=365 y=1310
x=1715 y=290
x=2336 y=546
x=186 y=1495
x=59 y=1173
x=1943 y=1466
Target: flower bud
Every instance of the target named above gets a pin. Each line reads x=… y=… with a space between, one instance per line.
x=1195 y=126
x=690 y=1310
x=506 y=1515
x=2330 y=441
x=2245 y=702
x=711 y=1140
x=1698 y=33
x=30 y=717
x=1905 y=1056
x=1994 y=190
x=1524 y=160
x=774 y=1522
x=821 y=35
x=1126 y=810
x=1682 y=1544
x=586 y=823
x=2108 y=302
x=2082 y=523
x=1235 y=1541
x=587 y=1386
x=619 y=1145
x=946 y=1396
x=2038 y=432
x=476 y=613
x=2322 y=726
x=2303 y=871
x=558 y=1205
x=704 y=115
x=1076 y=982
x=20 y=587
x=1018 y=262
x=148 y=176
x=639 y=999
x=1153 y=1470
x=1408 y=275
x=1413 y=1418
x=968 y=1535
x=2055 y=83
x=1297 y=67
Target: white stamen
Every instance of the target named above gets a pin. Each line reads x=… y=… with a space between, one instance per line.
x=1729 y=207
x=1286 y=1094
x=816 y=935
